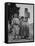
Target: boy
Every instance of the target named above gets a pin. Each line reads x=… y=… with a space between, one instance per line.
x=26 y=24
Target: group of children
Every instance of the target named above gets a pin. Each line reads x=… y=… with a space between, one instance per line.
x=19 y=26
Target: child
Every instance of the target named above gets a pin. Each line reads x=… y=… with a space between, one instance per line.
x=26 y=24
x=21 y=32
x=15 y=23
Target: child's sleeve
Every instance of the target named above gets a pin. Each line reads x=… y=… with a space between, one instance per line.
x=28 y=15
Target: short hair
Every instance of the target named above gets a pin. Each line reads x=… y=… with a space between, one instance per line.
x=22 y=17
x=26 y=9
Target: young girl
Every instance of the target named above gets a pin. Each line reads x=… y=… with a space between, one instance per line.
x=15 y=23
